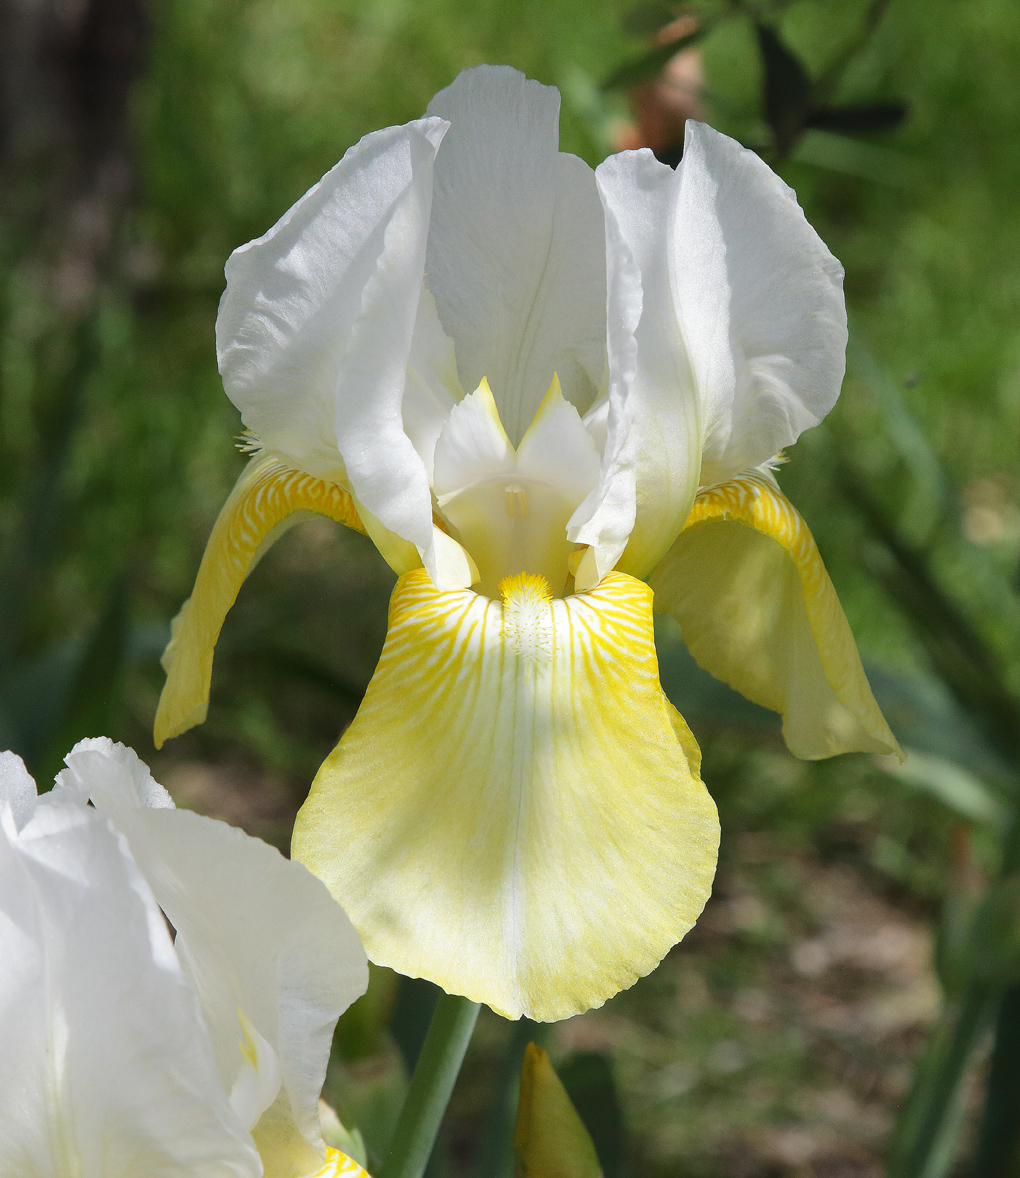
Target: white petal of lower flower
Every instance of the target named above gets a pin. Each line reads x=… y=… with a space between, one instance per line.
x=107 y=1069
x=17 y=789
x=516 y=259
x=257 y=933
x=760 y=304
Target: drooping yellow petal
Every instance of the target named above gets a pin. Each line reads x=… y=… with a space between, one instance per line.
x=550 y=1140
x=757 y=609
x=339 y=1165
x=511 y=813
x=265 y=501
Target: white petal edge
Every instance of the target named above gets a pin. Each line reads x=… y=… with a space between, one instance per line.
x=257 y=933
x=107 y=1066
x=386 y=473
x=17 y=789
x=760 y=303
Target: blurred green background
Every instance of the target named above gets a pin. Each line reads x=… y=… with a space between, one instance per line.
x=141 y=145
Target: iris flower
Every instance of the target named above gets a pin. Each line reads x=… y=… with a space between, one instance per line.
x=544 y=392
x=126 y=1053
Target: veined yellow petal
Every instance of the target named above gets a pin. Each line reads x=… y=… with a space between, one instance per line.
x=339 y=1165
x=265 y=501
x=757 y=609
x=511 y=813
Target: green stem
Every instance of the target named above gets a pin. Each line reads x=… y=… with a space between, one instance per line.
x=928 y=1118
x=431 y=1085
x=495 y=1155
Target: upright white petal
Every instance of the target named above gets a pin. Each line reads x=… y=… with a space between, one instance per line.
x=652 y=454
x=515 y=253
x=760 y=304
x=261 y=937
x=433 y=387
x=315 y=325
x=107 y=1069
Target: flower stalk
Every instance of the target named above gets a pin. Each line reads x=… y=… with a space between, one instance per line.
x=431 y=1085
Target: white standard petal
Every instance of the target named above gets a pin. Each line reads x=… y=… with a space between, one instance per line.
x=653 y=428
x=386 y=473
x=261 y=937
x=760 y=303
x=515 y=253
x=107 y=1068
x=433 y=387
x=315 y=325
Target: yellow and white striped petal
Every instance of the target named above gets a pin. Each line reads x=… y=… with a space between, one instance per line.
x=339 y=1165
x=511 y=813
x=757 y=609
x=267 y=498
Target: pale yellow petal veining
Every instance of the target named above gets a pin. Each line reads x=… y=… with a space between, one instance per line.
x=511 y=813
x=757 y=609
x=267 y=498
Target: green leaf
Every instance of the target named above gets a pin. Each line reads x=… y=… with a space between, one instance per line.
x=588 y=1078
x=952 y=785
x=995 y=940
x=954 y=963
x=999 y=1144
x=550 y=1140
x=94 y=695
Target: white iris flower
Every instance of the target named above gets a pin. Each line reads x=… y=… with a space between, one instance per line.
x=127 y=1053
x=543 y=391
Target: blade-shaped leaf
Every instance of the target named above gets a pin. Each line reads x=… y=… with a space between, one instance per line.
x=588 y=1078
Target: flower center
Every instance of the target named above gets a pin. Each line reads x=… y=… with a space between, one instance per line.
x=509 y=507
x=515 y=526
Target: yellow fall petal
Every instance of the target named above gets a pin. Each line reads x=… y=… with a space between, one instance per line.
x=757 y=609
x=550 y=1140
x=511 y=813
x=339 y=1165
x=265 y=501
